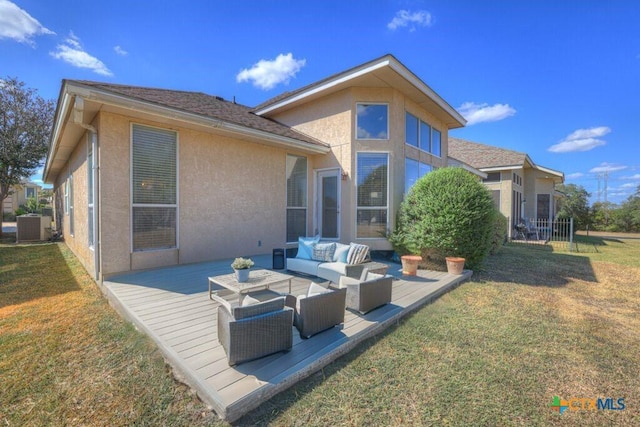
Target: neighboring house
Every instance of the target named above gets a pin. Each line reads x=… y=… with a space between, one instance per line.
x=20 y=194
x=521 y=189
x=151 y=177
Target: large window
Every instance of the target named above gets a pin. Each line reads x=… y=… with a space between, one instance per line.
x=543 y=207
x=372 y=183
x=372 y=121
x=414 y=170
x=296 y=197
x=154 y=188
x=420 y=134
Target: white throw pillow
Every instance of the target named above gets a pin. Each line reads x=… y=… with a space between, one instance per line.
x=248 y=300
x=315 y=289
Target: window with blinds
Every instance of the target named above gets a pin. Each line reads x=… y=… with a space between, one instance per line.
x=153 y=188
x=296 y=197
x=372 y=193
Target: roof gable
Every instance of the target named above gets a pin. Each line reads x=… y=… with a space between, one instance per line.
x=386 y=71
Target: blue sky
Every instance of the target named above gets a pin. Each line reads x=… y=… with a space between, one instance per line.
x=559 y=80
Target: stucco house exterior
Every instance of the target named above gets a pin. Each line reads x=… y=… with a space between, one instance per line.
x=19 y=196
x=521 y=189
x=152 y=177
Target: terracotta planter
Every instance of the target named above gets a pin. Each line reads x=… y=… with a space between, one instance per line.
x=455 y=265
x=410 y=264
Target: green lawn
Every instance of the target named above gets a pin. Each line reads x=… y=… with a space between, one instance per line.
x=533 y=324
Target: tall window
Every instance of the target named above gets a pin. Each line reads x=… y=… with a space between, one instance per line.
x=296 y=197
x=414 y=170
x=372 y=121
x=420 y=134
x=543 y=206
x=90 y=180
x=154 y=188
x=372 y=184
x=30 y=192
x=70 y=201
x=436 y=143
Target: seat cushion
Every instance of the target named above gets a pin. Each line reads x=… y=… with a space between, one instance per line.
x=332 y=271
x=305 y=266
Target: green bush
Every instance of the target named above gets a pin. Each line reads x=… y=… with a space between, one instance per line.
x=500 y=232
x=21 y=211
x=447 y=212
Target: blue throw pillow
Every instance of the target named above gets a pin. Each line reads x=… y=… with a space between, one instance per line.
x=305 y=246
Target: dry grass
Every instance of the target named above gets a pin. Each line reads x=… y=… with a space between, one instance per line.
x=531 y=325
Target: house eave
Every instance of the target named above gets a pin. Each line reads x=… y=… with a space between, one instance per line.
x=71 y=91
x=453 y=119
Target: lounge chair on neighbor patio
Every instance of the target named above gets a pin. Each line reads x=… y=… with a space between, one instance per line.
x=367 y=293
x=255 y=330
x=322 y=308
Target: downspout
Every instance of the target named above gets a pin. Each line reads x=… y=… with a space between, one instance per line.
x=78 y=119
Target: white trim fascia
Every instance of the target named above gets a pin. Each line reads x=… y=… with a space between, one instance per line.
x=549 y=171
x=55 y=134
x=386 y=61
x=501 y=168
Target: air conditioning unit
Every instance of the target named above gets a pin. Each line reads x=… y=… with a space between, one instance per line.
x=33 y=228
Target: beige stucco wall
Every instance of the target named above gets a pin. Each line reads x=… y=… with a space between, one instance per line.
x=231 y=198
x=332 y=119
x=78 y=240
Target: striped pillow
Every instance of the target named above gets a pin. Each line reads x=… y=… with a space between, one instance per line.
x=357 y=253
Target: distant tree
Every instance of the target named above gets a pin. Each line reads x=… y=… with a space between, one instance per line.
x=25 y=125
x=575 y=205
x=601 y=214
x=627 y=218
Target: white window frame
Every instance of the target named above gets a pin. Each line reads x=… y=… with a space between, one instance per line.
x=388 y=154
x=71 y=208
x=150 y=205
x=91 y=190
x=386 y=104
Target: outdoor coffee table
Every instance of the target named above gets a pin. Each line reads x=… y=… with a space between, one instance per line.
x=258 y=279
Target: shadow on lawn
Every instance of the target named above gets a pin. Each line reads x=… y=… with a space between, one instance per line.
x=30 y=272
x=536 y=267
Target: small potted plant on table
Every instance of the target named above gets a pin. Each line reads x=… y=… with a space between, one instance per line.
x=242 y=266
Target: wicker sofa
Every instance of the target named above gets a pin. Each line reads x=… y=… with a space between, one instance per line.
x=253 y=331
x=345 y=260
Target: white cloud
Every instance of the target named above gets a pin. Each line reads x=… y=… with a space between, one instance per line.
x=607 y=167
x=628 y=185
x=575 y=175
x=581 y=140
x=633 y=177
x=72 y=52
x=478 y=113
x=120 y=51
x=18 y=25
x=405 y=18
x=267 y=74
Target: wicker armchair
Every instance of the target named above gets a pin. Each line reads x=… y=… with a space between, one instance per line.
x=369 y=292
x=320 y=311
x=254 y=331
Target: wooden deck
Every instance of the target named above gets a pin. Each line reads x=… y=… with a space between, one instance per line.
x=172 y=306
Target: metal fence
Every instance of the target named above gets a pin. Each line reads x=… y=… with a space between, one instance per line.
x=543 y=231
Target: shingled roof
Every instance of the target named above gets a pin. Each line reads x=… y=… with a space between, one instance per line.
x=484 y=156
x=204 y=105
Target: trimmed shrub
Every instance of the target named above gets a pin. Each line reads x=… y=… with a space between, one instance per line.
x=448 y=212
x=500 y=232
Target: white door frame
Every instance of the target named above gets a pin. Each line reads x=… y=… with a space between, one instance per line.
x=317 y=198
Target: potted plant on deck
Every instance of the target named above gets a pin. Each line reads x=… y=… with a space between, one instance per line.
x=242 y=266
